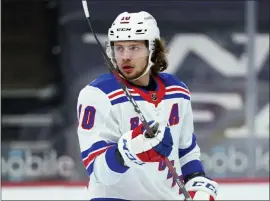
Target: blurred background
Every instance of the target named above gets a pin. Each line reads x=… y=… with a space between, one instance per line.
x=220 y=49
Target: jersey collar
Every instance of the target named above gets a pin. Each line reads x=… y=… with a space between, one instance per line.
x=155 y=96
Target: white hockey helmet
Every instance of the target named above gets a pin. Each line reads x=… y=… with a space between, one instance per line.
x=134 y=26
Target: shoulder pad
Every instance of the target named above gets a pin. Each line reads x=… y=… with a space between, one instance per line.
x=106 y=83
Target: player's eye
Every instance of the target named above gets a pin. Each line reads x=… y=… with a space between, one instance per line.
x=118 y=48
x=134 y=48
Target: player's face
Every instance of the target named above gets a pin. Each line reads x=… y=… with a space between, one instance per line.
x=131 y=58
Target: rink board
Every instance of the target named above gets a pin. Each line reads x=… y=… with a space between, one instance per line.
x=227 y=191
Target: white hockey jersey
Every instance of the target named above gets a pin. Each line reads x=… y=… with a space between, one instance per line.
x=105 y=113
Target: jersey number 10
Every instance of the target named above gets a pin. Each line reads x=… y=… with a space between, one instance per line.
x=88 y=117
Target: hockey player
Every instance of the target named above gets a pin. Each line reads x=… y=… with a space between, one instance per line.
x=122 y=161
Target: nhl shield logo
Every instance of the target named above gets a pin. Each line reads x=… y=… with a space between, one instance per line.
x=154 y=96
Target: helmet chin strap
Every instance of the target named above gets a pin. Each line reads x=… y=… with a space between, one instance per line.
x=145 y=71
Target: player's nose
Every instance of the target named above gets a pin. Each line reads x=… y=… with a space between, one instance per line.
x=126 y=55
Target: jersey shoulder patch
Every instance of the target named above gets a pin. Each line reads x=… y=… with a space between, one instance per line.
x=106 y=83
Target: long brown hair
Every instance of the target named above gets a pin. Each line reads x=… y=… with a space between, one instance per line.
x=159 y=57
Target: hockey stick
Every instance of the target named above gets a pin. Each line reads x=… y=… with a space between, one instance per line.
x=136 y=107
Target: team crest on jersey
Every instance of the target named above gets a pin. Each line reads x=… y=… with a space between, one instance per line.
x=154 y=96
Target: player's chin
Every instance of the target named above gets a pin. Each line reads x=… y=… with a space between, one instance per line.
x=130 y=76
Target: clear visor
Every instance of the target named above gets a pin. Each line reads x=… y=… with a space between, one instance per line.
x=130 y=51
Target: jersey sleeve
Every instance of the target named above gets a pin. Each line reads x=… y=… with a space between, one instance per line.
x=189 y=151
x=98 y=136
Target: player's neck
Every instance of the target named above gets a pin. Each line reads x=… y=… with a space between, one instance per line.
x=143 y=81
